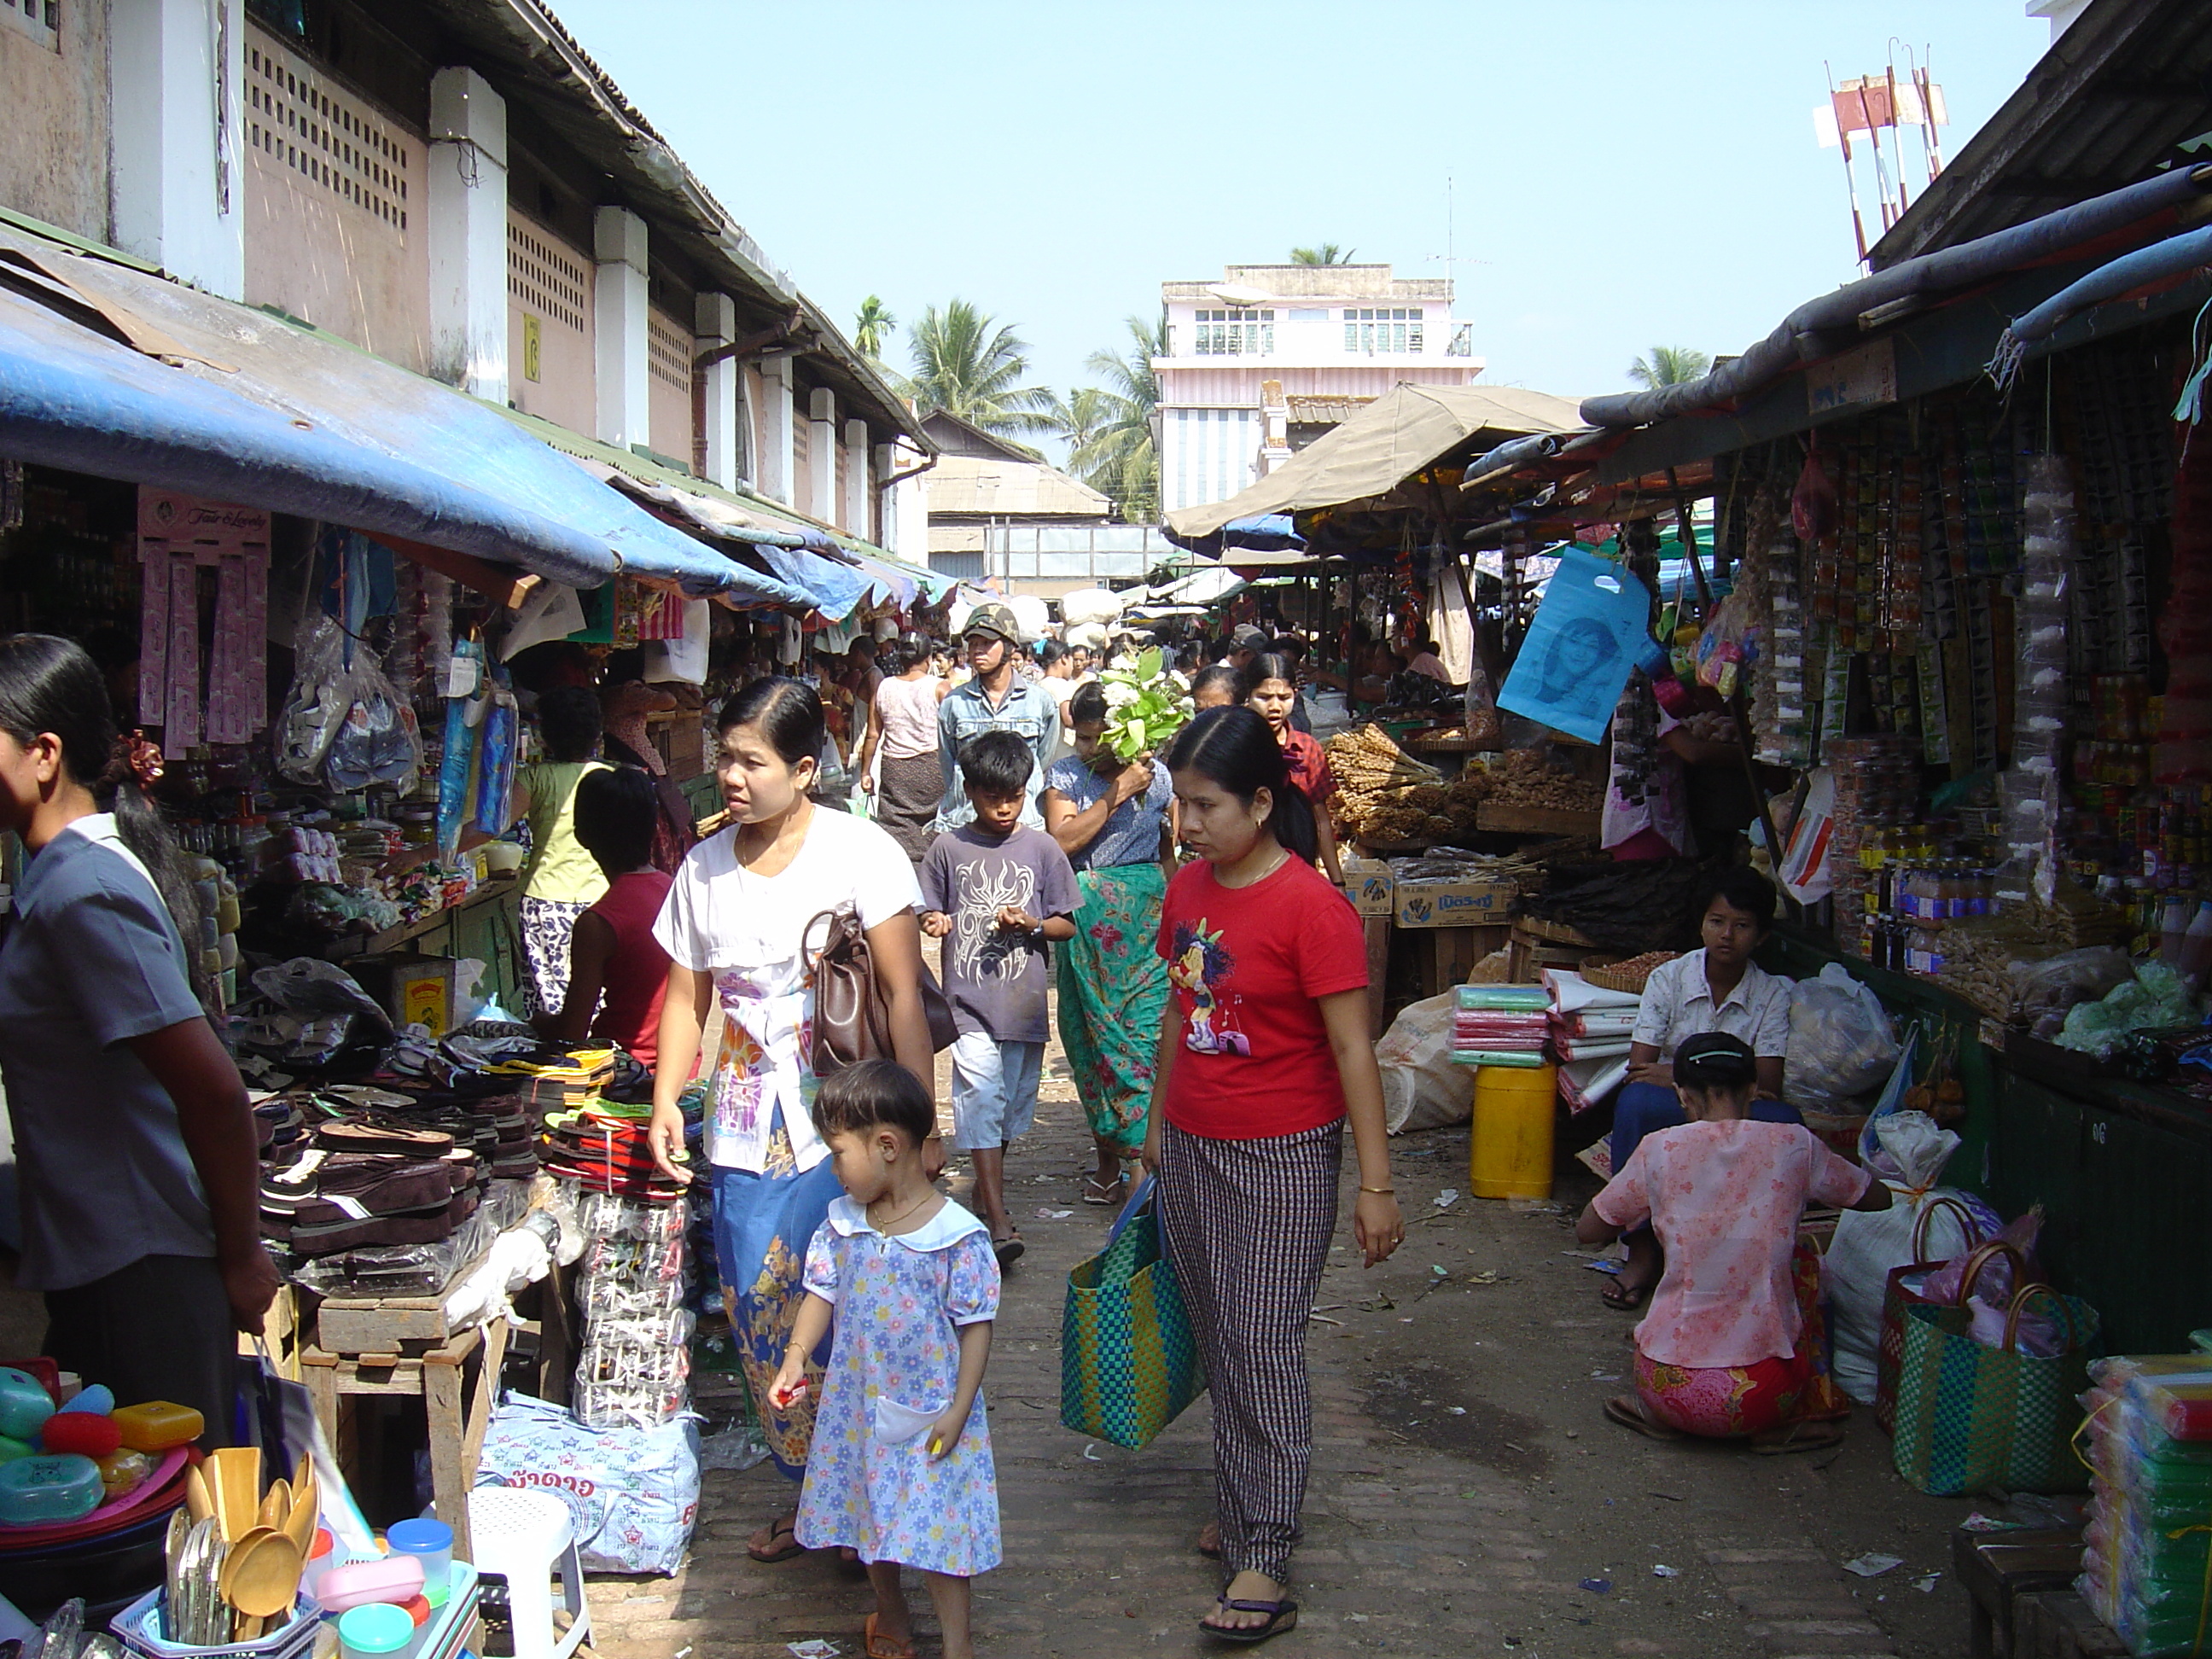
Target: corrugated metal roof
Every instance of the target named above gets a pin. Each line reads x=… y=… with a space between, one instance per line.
x=981 y=485
x=1324 y=411
x=2103 y=109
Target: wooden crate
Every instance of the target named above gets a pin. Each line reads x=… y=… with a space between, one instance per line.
x=381 y=1324
x=1503 y=820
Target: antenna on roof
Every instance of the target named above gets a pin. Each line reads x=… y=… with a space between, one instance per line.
x=1449 y=259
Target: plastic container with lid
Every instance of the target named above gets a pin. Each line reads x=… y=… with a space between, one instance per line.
x=44 y=1489
x=375 y=1631
x=356 y=1583
x=429 y=1541
x=322 y=1556
x=158 y=1425
x=25 y=1405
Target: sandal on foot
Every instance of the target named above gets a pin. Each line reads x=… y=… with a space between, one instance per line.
x=1800 y=1436
x=1629 y=1413
x=1281 y=1616
x=882 y=1647
x=1625 y=1298
x=1008 y=1250
x=782 y=1544
x=1106 y=1195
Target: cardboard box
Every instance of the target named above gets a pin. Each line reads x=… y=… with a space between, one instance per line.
x=1372 y=888
x=1447 y=901
x=414 y=989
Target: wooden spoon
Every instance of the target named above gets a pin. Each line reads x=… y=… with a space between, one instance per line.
x=275 y=1504
x=238 y=1489
x=300 y=1523
x=262 y=1577
x=199 y=1500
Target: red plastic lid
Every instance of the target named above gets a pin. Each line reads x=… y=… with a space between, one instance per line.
x=418 y=1609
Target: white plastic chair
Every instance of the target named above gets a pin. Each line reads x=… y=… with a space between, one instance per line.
x=528 y=1538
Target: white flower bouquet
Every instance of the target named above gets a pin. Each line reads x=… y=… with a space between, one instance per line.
x=1146 y=703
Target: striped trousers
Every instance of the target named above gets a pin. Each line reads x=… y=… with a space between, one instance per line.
x=1246 y=1226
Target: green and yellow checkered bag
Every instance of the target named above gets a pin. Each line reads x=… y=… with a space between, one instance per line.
x=1128 y=1359
x=1971 y=1418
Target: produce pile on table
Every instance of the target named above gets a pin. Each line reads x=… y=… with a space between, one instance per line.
x=1383 y=795
x=1525 y=777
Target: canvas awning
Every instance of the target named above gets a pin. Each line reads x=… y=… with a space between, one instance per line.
x=118 y=372
x=1407 y=429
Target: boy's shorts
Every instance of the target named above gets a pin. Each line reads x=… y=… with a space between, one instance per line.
x=994 y=1090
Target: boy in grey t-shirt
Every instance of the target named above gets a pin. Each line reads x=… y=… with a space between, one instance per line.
x=994 y=892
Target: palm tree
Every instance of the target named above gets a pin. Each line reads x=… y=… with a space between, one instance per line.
x=1080 y=416
x=874 y=323
x=1670 y=366
x=967 y=364
x=1118 y=457
x=1328 y=254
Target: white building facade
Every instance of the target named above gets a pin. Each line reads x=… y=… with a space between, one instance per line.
x=1237 y=349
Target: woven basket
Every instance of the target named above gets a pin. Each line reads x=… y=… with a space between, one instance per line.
x=1608 y=979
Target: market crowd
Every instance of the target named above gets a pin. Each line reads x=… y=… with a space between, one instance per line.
x=1212 y=999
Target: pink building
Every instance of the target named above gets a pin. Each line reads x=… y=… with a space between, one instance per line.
x=1269 y=349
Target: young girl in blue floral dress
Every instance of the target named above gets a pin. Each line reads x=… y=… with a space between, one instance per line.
x=900 y=1469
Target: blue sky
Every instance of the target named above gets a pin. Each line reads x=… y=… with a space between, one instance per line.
x=1624 y=173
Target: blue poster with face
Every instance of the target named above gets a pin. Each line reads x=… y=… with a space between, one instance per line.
x=1592 y=629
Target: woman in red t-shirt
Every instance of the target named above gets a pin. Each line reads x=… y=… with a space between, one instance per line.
x=1264 y=1055
x=1274 y=682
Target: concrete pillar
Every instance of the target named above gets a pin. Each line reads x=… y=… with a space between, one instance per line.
x=854 y=517
x=177 y=162
x=715 y=324
x=467 y=233
x=772 y=466
x=618 y=327
x=906 y=510
x=822 y=455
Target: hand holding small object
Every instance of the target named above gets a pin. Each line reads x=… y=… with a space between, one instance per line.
x=945 y=1433
x=936 y=923
x=1018 y=919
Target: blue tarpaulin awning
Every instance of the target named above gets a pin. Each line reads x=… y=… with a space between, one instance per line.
x=123 y=375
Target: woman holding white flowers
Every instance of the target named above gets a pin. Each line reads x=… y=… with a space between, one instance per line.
x=1274 y=682
x=1115 y=820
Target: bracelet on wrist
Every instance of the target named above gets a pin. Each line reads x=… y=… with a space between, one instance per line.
x=1381 y=1192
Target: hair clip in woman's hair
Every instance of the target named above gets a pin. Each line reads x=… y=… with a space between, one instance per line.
x=142 y=754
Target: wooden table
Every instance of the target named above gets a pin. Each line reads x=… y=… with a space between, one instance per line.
x=1996 y=1569
x=457 y=1416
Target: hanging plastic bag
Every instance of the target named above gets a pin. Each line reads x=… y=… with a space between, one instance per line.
x=1592 y=630
x=316 y=706
x=1813 y=502
x=376 y=742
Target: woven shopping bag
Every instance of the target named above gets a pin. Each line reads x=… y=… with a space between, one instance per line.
x=1889 y=1348
x=1129 y=1359
x=1971 y=1418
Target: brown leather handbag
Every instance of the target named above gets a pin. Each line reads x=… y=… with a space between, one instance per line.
x=852 y=1020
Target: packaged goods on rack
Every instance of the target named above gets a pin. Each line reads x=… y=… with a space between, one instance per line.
x=2147 y=1553
x=635 y=1366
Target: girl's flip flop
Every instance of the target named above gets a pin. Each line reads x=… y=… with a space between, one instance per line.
x=882 y=1647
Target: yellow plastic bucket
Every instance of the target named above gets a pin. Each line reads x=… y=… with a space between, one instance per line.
x=1511 y=1153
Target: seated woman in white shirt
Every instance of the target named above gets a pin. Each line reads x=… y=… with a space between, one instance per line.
x=1715 y=988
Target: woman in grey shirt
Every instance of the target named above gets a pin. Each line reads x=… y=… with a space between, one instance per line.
x=137 y=1149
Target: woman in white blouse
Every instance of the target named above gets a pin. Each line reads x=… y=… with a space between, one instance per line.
x=735 y=928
